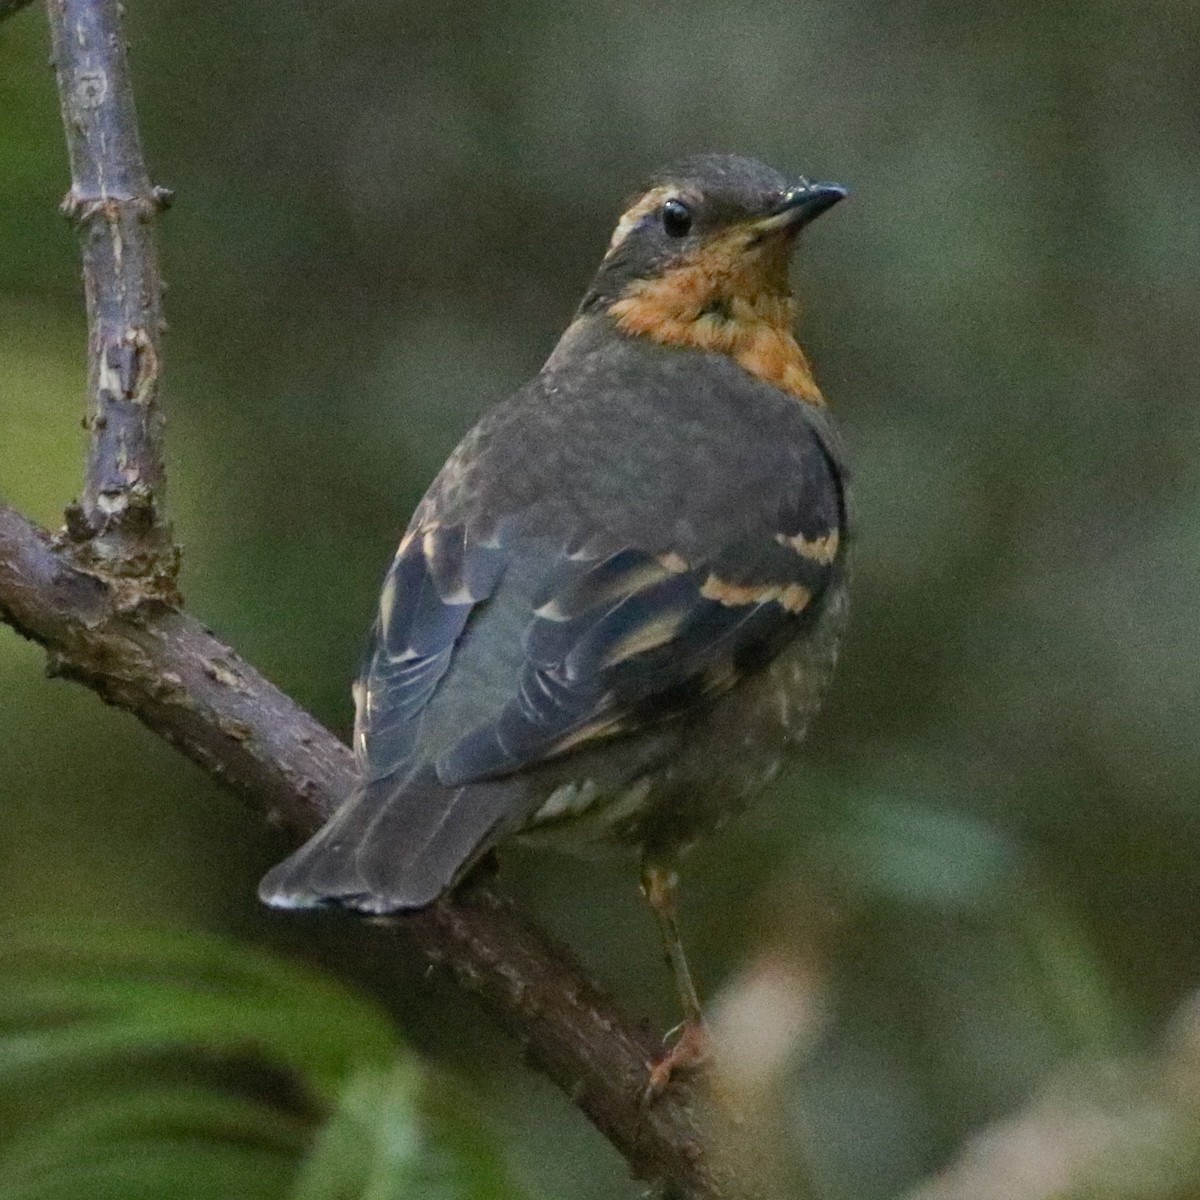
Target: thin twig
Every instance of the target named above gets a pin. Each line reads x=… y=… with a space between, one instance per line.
x=119 y=519
x=198 y=694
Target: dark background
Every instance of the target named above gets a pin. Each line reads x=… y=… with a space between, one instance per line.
x=989 y=854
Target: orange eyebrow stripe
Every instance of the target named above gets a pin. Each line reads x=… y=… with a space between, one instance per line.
x=821 y=549
x=792 y=597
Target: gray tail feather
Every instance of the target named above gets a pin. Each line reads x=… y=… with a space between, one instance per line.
x=395 y=844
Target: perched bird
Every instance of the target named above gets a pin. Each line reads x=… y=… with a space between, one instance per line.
x=619 y=603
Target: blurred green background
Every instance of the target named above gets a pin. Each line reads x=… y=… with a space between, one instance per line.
x=987 y=862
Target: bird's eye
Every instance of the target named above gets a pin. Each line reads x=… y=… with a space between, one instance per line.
x=676 y=218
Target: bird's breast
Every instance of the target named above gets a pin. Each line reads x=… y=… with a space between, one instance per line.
x=684 y=308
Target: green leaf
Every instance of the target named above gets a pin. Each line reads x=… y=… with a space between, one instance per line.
x=1066 y=971
x=175 y=1168
x=123 y=1073
x=182 y=1111
x=371 y=1146
x=396 y=1136
x=912 y=856
x=75 y=997
x=908 y=853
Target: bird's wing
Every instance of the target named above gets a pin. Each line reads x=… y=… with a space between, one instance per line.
x=402 y=838
x=436 y=580
x=620 y=638
x=505 y=639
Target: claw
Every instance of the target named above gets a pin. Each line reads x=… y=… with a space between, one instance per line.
x=690 y=1053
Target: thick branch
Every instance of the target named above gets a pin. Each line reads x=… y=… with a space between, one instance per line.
x=101 y=602
x=191 y=689
x=120 y=517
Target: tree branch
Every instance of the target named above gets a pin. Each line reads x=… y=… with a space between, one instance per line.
x=101 y=599
x=119 y=518
x=198 y=694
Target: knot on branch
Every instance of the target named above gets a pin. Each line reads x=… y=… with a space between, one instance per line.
x=126 y=545
x=91 y=88
x=128 y=368
x=80 y=207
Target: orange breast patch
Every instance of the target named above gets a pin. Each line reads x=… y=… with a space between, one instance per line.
x=702 y=306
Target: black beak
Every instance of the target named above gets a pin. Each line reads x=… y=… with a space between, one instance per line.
x=802 y=204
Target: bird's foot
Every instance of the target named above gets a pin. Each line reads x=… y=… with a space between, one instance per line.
x=690 y=1052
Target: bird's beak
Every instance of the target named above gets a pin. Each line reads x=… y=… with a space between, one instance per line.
x=801 y=204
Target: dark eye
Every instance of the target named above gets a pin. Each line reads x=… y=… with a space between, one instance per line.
x=676 y=218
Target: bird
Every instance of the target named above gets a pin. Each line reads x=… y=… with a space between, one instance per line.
x=620 y=602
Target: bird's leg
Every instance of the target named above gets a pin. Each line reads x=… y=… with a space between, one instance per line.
x=691 y=1048
x=659 y=886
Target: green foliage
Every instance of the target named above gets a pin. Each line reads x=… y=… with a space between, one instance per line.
x=372 y=1148
x=153 y=1063
x=385 y=214
x=905 y=857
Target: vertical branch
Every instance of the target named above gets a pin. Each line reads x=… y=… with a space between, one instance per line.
x=196 y=693
x=120 y=521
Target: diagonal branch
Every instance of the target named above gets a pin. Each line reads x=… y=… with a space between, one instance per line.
x=119 y=518
x=198 y=694
x=101 y=599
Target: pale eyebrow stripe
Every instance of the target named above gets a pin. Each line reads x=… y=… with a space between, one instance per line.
x=645 y=204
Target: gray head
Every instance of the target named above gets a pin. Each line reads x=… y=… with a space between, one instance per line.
x=716 y=215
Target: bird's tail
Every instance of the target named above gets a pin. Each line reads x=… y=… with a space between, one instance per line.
x=395 y=844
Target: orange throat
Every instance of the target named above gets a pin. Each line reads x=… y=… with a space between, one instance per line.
x=690 y=306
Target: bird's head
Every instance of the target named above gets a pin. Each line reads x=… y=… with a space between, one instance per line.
x=700 y=260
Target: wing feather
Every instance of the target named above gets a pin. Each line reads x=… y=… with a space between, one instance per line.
x=434 y=583
x=627 y=639
x=615 y=637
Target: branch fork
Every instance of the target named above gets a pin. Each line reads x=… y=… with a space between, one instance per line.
x=101 y=598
